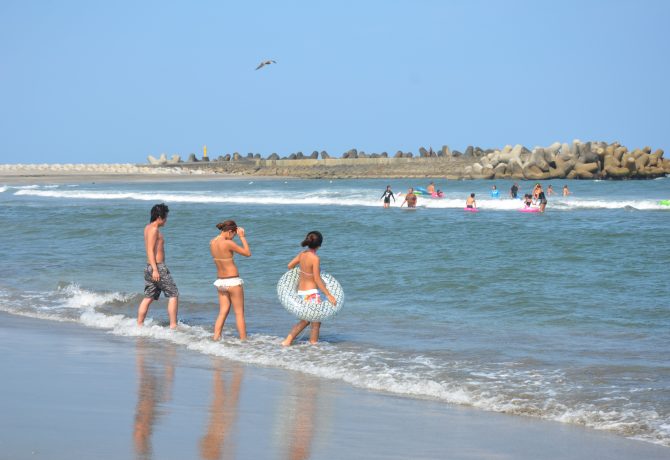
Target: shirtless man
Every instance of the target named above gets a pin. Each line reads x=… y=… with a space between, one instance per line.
x=157 y=277
x=431 y=188
x=470 y=201
x=410 y=199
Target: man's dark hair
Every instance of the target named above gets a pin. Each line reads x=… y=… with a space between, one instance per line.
x=159 y=211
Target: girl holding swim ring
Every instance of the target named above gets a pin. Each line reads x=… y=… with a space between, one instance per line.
x=309 y=284
x=228 y=283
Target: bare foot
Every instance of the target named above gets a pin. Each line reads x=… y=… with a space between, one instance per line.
x=216 y=338
x=286 y=343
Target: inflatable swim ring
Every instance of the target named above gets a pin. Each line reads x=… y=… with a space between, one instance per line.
x=471 y=209
x=529 y=210
x=421 y=191
x=664 y=202
x=309 y=310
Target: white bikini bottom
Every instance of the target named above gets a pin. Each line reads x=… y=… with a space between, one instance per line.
x=222 y=284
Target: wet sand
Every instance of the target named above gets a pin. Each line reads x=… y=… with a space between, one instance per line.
x=72 y=392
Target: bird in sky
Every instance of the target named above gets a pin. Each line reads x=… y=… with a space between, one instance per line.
x=268 y=62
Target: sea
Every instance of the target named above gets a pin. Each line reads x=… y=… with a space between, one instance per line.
x=562 y=315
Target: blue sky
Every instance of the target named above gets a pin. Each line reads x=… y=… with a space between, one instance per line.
x=106 y=82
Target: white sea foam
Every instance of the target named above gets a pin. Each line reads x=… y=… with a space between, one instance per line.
x=328 y=198
x=500 y=387
x=3 y=189
x=78 y=298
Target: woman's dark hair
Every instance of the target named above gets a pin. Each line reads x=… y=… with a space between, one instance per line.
x=227 y=225
x=159 y=211
x=313 y=240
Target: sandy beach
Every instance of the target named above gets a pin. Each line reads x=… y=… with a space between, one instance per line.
x=72 y=392
x=17 y=174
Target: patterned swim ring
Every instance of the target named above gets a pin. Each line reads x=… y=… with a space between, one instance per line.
x=287 y=292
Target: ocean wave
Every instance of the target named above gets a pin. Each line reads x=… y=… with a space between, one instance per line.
x=512 y=388
x=330 y=198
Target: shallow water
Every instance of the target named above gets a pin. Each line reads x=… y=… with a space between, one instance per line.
x=561 y=315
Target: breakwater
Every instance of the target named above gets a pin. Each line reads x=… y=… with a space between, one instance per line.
x=577 y=160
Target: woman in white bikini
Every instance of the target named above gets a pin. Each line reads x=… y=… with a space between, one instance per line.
x=229 y=284
x=309 y=284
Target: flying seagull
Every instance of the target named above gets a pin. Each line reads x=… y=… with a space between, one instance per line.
x=265 y=63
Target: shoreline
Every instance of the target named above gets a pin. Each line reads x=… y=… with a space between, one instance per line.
x=109 y=174
x=117 y=397
x=578 y=160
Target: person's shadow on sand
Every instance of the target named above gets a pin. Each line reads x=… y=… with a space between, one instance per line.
x=154 y=388
x=222 y=412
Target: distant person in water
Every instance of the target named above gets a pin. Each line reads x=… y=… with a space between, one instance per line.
x=431 y=188
x=550 y=190
x=470 y=202
x=387 y=195
x=410 y=199
x=495 y=193
x=228 y=283
x=566 y=191
x=527 y=200
x=536 y=191
x=309 y=284
x=157 y=277
x=541 y=198
x=514 y=190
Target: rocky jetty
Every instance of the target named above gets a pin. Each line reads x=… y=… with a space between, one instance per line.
x=163 y=160
x=577 y=160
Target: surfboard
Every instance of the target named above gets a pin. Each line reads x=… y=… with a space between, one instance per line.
x=309 y=310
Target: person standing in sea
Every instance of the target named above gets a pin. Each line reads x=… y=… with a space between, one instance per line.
x=387 y=195
x=566 y=190
x=494 y=192
x=309 y=284
x=470 y=202
x=514 y=190
x=410 y=199
x=228 y=283
x=157 y=277
x=539 y=196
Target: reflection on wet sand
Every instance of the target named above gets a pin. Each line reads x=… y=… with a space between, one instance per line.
x=222 y=412
x=300 y=417
x=154 y=388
